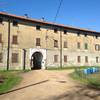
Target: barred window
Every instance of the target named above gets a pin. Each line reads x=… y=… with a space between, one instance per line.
x=1 y=57
x=78 y=59
x=14 y=57
x=65 y=58
x=38 y=42
x=55 y=43
x=65 y=44
x=0 y=38
x=15 y=39
x=55 y=58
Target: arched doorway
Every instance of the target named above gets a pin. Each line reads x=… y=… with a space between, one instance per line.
x=36 y=59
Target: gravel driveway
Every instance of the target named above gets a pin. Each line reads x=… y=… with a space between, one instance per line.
x=50 y=85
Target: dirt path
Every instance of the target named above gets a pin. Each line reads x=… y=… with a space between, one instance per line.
x=50 y=85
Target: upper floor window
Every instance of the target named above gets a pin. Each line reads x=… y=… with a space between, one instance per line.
x=1 y=20
x=15 y=39
x=55 y=30
x=86 y=46
x=15 y=23
x=55 y=58
x=38 y=27
x=97 y=47
x=14 y=57
x=65 y=44
x=78 y=45
x=65 y=58
x=1 y=57
x=55 y=43
x=0 y=38
x=38 y=42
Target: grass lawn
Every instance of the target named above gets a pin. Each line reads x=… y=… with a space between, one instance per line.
x=92 y=80
x=9 y=79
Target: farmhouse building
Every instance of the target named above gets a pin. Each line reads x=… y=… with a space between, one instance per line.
x=37 y=44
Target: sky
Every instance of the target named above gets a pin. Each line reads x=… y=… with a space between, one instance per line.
x=77 y=13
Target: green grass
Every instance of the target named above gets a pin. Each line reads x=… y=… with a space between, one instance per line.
x=65 y=68
x=92 y=80
x=11 y=79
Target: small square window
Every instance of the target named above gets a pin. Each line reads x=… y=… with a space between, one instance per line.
x=15 y=23
x=1 y=20
x=65 y=31
x=85 y=35
x=55 y=30
x=38 y=27
x=96 y=37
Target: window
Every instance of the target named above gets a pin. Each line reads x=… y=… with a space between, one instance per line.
x=85 y=35
x=0 y=38
x=97 y=59
x=96 y=37
x=15 y=23
x=86 y=59
x=1 y=20
x=1 y=57
x=38 y=27
x=86 y=46
x=14 y=39
x=65 y=31
x=38 y=42
x=78 y=34
x=65 y=58
x=14 y=57
x=55 y=58
x=65 y=44
x=78 y=45
x=97 y=47
x=78 y=59
x=55 y=30
x=55 y=43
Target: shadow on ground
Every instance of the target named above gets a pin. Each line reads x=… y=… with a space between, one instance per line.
x=78 y=93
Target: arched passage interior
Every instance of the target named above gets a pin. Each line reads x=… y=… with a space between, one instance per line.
x=37 y=60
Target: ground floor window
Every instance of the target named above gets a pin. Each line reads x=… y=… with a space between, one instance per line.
x=1 y=57
x=55 y=58
x=14 y=57
x=86 y=59
x=79 y=59
x=97 y=59
x=65 y=58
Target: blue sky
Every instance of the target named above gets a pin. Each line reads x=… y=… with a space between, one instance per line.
x=78 y=13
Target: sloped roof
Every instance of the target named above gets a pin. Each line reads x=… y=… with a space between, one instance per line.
x=47 y=23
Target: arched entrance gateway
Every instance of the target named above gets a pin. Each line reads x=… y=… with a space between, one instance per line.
x=36 y=60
